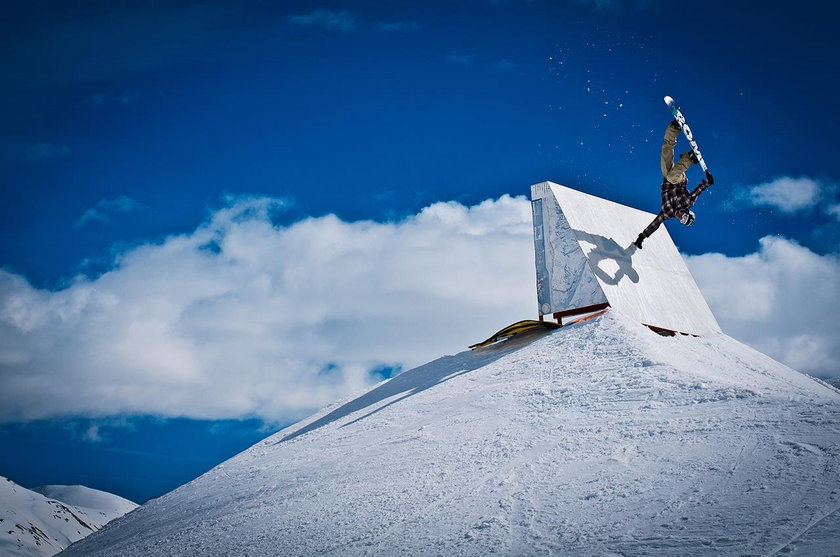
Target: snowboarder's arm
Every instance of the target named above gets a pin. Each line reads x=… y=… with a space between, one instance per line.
x=701 y=187
x=651 y=228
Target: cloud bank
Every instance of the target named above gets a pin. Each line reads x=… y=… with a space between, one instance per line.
x=791 y=195
x=787 y=194
x=783 y=300
x=246 y=318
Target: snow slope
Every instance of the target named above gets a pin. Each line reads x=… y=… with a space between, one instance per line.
x=601 y=438
x=47 y=519
x=106 y=506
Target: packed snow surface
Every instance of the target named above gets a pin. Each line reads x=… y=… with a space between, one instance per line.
x=601 y=438
x=45 y=520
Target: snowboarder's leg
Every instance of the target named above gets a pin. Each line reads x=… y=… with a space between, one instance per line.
x=667 y=161
x=677 y=172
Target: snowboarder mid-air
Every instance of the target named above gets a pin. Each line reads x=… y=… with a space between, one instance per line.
x=676 y=199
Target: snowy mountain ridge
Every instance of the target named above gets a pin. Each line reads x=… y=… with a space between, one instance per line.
x=600 y=438
x=47 y=519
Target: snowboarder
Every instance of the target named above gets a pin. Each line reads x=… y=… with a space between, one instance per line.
x=676 y=200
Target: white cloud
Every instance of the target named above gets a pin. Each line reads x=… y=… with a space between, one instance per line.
x=244 y=318
x=783 y=300
x=106 y=208
x=331 y=20
x=813 y=198
x=92 y=434
x=787 y=194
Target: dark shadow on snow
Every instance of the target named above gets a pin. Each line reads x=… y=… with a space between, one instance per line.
x=416 y=380
x=608 y=249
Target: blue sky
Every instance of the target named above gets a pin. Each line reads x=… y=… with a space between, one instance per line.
x=194 y=195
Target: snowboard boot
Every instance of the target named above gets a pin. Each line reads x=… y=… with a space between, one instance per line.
x=671 y=132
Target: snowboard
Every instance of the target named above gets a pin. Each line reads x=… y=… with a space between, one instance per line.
x=675 y=110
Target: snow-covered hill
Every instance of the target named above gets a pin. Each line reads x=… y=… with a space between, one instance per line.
x=47 y=519
x=600 y=438
x=95 y=503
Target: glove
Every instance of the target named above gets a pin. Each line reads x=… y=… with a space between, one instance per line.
x=709 y=178
x=675 y=125
x=639 y=240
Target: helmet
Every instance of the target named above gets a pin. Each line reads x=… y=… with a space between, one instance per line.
x=686 y=217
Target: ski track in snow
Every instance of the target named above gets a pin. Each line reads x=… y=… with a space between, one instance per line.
x=599 y=439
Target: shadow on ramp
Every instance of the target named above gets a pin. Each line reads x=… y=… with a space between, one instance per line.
x=607 y=249
x=418 y=379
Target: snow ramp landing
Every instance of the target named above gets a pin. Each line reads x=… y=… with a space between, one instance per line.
x=586 y=260
x=600 y=438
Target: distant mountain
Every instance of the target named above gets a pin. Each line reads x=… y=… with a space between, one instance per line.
x=47 y=519
x=602 y=438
